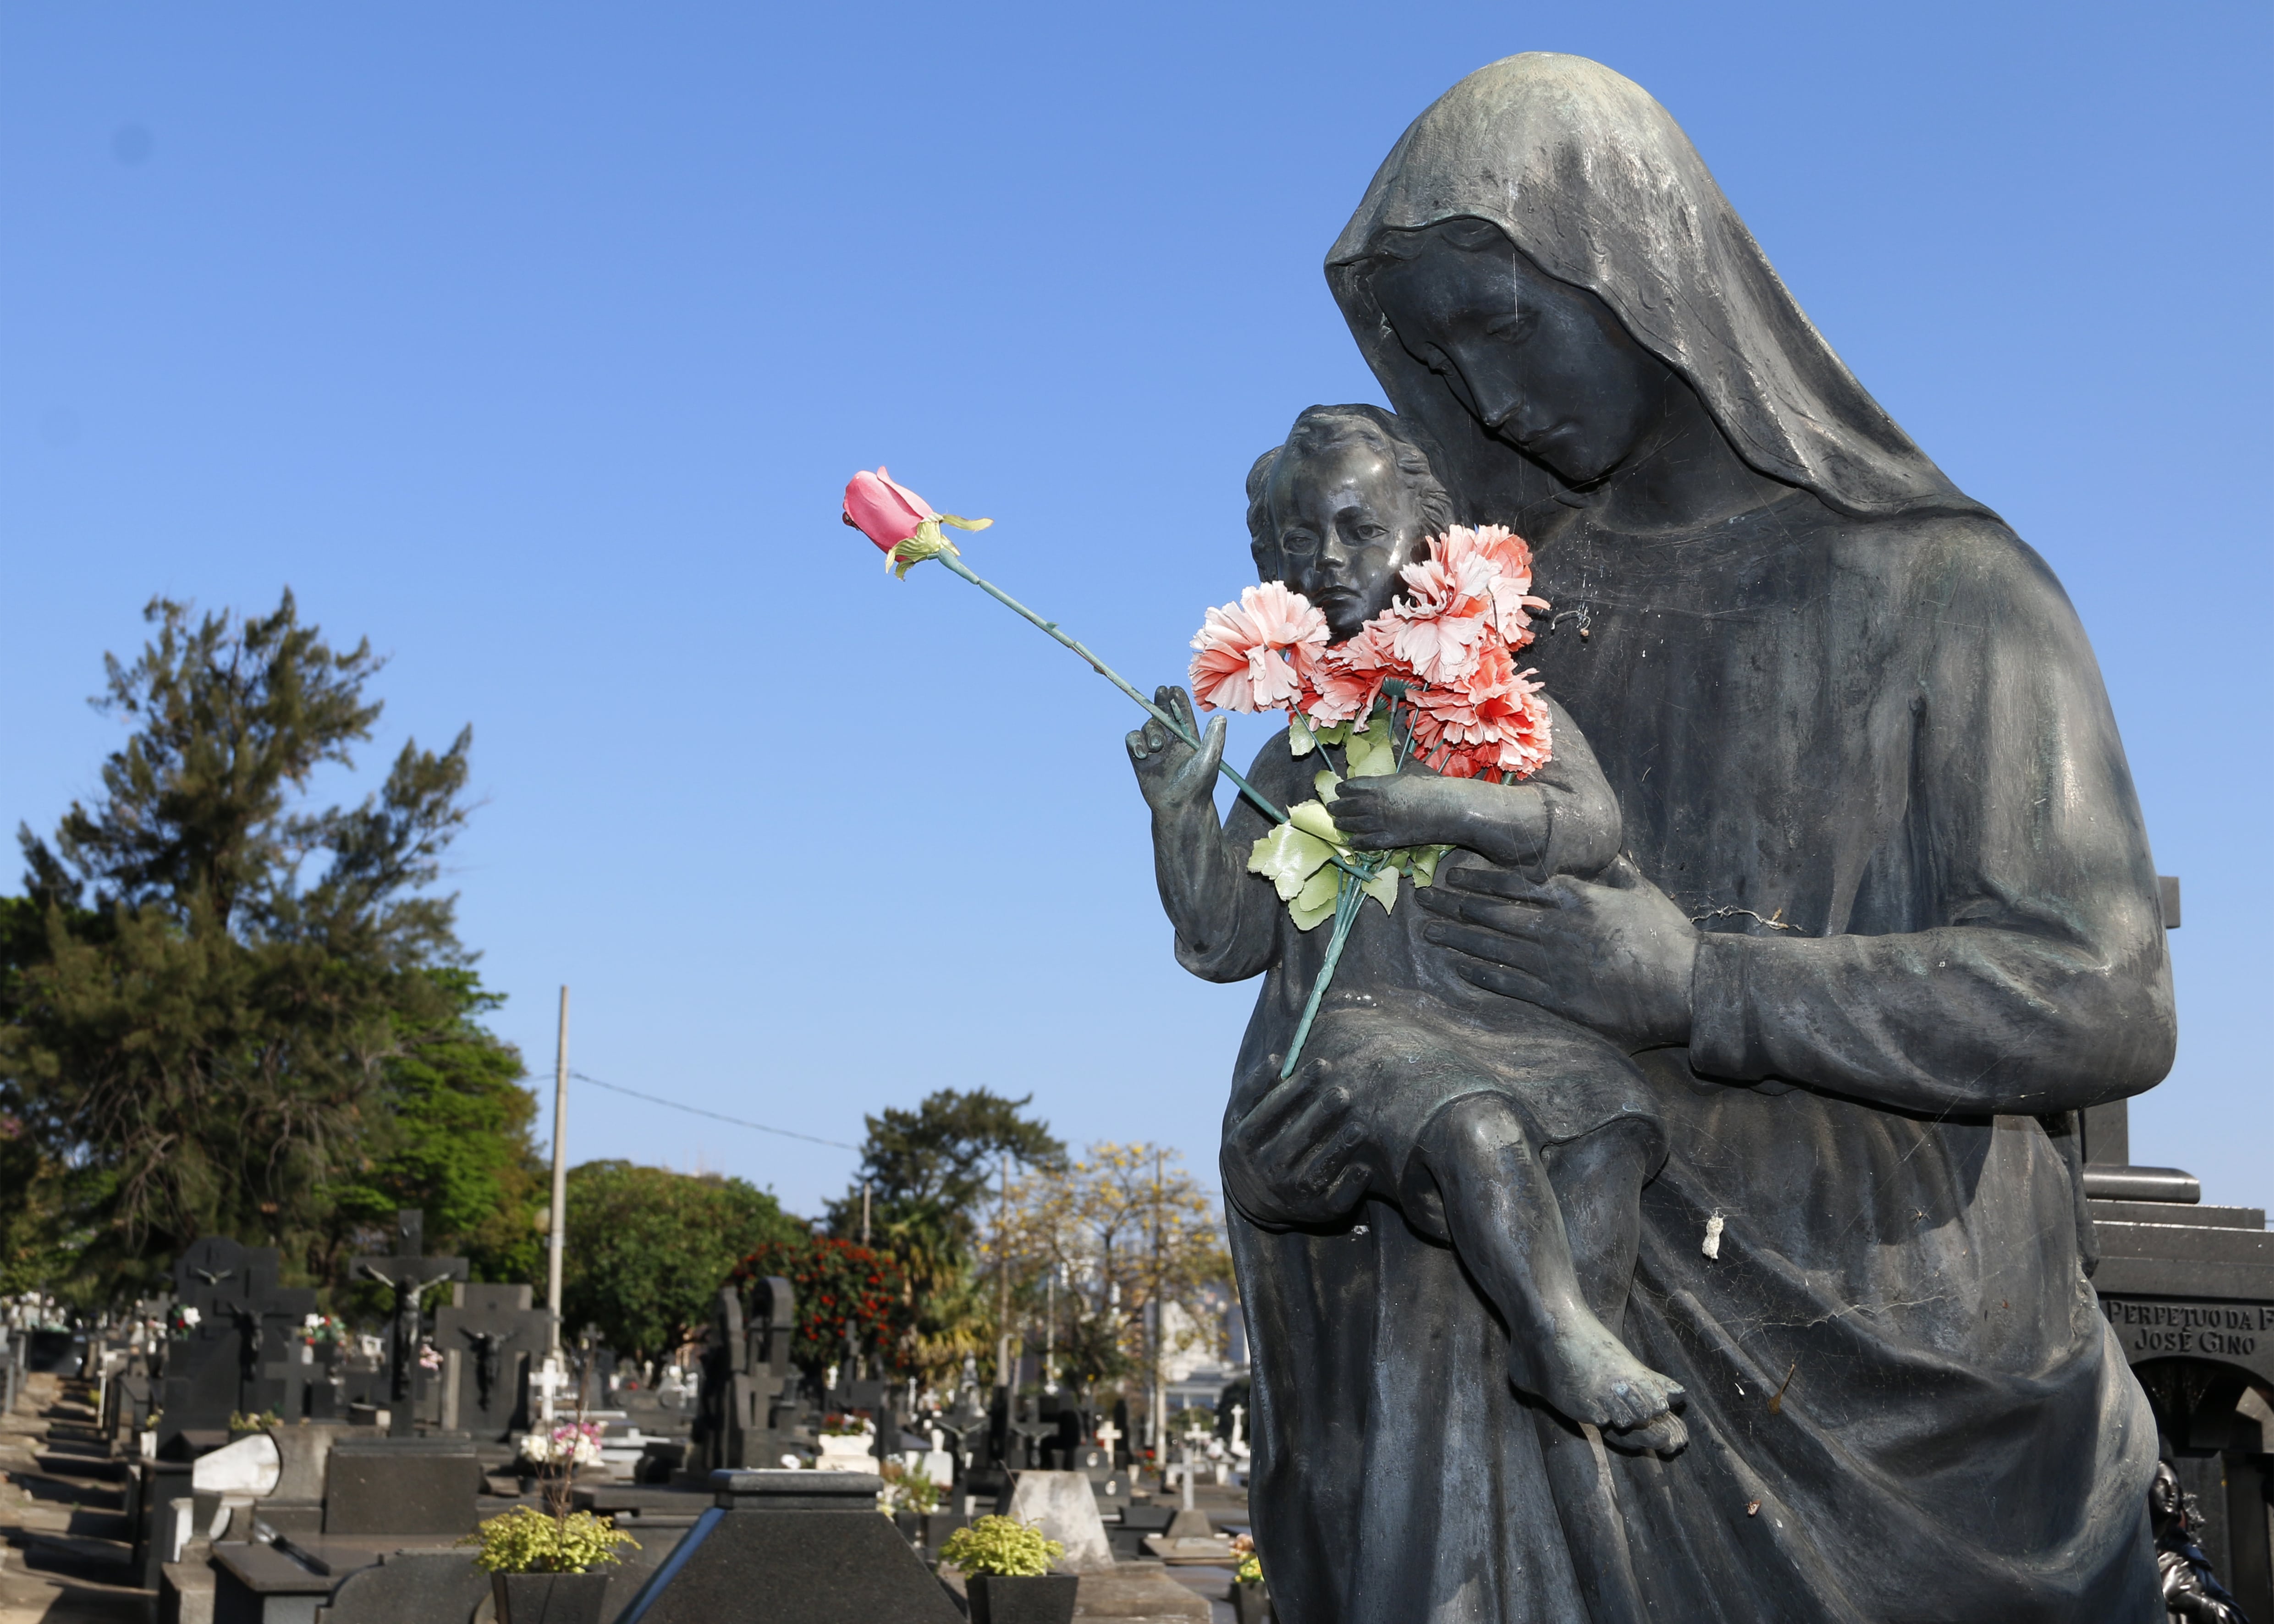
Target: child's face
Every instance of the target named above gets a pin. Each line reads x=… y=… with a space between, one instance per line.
x=1347 y=523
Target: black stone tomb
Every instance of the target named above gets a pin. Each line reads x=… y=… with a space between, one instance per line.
x=792 y=1547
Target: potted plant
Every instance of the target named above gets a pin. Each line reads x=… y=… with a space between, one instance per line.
x=541 y=1563
x=541 y=1567
x=1251 y=1603
x=1006 y=1565
x=910 y=1496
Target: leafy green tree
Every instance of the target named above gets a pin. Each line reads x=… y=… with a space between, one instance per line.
x=223 y=973
x=647 y=1250
x=453 y=1138
x=930 y=1174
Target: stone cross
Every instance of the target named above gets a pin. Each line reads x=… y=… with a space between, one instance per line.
x=1108 y=1436
x=411 y=1274
x=548 y=1382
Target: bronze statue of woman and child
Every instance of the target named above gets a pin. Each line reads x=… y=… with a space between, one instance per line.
x=1671 y=1216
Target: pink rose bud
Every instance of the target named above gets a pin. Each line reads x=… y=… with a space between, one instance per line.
x=886 y=513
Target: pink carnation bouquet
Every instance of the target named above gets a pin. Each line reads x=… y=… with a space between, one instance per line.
x=1432 y=678
x=1445 y=651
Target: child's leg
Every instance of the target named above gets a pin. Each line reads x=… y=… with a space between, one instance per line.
x=1554 y=1282
x=1599 y=1182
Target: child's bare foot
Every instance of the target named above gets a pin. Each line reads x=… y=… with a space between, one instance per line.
x=1665 y=1436
x=1592 y=1378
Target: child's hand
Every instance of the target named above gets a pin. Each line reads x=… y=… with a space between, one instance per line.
x=1505 y=823
x=1172 y=776
x=1410 y=809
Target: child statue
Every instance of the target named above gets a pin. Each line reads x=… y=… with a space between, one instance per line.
x=1519 y=1138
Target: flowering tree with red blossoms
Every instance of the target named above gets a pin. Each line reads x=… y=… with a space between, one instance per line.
x=851 y=1298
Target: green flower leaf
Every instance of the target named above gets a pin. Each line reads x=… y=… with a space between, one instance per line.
x=1300 y=741
x=1372 y=753
x=962 y=523
x=1287 y=857
x=1421 y=863
x=1313 y=818
x=1383 y=889
x=1317 y=900
x=1324 y=782
x=927 y=543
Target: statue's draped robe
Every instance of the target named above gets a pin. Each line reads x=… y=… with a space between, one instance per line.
x=1860 y=737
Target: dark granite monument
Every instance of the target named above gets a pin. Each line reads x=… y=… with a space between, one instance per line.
x=490 y=1338
x=229 y=1363
x=792 y=1547
x=409 y=1275
x=749 y=1405
x=2188 y=1291
x=1882 y=918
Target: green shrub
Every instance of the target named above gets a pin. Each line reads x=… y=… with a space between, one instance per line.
x=527 y=1541
x=1002 y=1549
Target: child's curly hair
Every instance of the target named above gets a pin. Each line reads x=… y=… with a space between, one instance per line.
x=1320 y=426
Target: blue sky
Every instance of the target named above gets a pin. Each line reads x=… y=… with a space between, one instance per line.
x=535 y=343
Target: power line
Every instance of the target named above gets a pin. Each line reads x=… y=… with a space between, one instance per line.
x=697 y=1110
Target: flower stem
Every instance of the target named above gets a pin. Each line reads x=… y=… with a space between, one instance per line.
x=1263 y=802
x=1349 y=896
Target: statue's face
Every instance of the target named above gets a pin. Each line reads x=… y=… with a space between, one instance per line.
x=2163 y=1493
x=1542 y=365
x=1347 y=523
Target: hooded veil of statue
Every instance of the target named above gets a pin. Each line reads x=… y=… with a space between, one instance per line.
x=1928 y=900
x=1600 y=187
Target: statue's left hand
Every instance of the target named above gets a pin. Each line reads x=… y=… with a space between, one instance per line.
x=1613 y=956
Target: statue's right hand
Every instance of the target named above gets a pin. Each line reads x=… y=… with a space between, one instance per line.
x=1172 y=776
x=1296 y=1155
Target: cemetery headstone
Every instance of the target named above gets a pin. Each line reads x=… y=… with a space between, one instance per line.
x=401 y=1485
x=489 y=1336
x=2188 y=1289
x=411 y=1275
x=1065 y=1507
x=726 y=1422
x=217 y=1370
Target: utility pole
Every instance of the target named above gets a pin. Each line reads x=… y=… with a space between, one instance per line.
x=1158 y=1419
x=1003 y=1371
x=559 y=1177
x=864 y=1211
x=1050 y=1331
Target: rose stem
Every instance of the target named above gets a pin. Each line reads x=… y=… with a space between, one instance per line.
x=1262 y=803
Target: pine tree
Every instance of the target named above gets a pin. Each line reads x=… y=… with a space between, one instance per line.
x=202 y=1029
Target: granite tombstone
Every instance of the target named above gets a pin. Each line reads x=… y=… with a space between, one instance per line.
x=409 y=1275
x=490 y=1336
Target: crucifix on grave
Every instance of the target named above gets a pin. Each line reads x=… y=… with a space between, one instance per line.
x=411 y=1275
x=1195 y=1435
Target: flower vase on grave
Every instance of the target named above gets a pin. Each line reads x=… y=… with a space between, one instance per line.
x=1251 y=1603
x=549 y=1597
x=1048 y=1599
x=1251 y=1600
